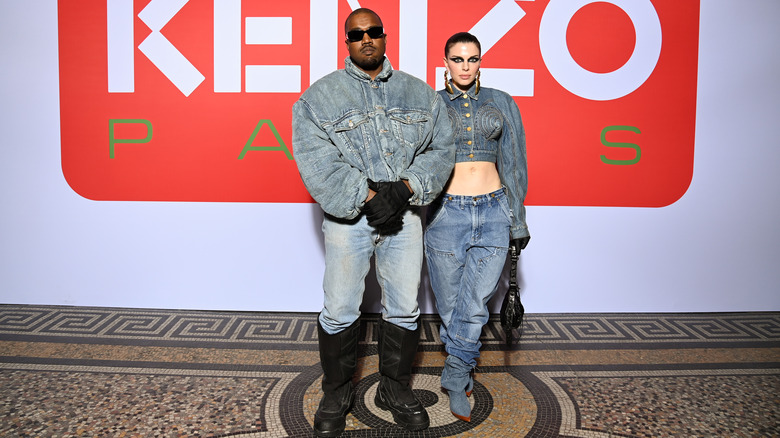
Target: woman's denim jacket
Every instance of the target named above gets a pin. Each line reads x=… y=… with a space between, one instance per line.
x=348 y=128
x=488 y=127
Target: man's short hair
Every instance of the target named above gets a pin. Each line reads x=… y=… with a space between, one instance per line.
x=360 y=11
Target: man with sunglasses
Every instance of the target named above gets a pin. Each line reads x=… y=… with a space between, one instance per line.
x=372 y=145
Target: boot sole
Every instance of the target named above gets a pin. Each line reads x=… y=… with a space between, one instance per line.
x=328 y=434
x=333 y=432
x=410 y=427
x=460 y=417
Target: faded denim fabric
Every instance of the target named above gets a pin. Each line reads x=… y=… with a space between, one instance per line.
x=488 y=127
x=398 y=259
x=348 y=127
x=466 y=244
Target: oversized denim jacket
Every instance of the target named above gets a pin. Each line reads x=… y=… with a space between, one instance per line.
x=488 y=127
x=348 y=128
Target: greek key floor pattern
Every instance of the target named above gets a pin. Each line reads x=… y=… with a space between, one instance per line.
x=106 y=372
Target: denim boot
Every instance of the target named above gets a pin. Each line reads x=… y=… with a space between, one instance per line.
x=397 y=348
x=338 y=356
x=456 y=379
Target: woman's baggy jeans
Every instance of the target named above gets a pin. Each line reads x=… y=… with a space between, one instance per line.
x=466 y=244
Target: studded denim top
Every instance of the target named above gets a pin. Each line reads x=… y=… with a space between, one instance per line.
x=488 y=127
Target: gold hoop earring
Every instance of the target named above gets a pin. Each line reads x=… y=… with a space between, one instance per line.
x=476 y=90
x=447 y=82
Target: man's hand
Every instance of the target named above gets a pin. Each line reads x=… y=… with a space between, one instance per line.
x=390 y=200
x=392 y=226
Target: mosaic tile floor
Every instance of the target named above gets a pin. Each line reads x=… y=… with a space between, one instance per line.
x=100 y=372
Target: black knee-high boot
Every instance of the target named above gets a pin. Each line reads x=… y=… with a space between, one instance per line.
x=338 y=356
x=397 y=348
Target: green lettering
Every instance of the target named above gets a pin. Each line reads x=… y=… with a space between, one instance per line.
x=280 y=143
x=112 y=140
x=620 y=145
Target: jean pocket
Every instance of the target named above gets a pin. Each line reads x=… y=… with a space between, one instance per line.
x=436 y=212
x=409 y=126
x=503 y=202
x=348 y=130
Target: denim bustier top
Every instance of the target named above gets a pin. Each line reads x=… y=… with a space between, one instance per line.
x=348 y=128
x=487 y=127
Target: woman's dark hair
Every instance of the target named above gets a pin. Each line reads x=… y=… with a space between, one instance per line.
x=461 y=37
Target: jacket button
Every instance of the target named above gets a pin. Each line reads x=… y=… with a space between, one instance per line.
x=468 y=114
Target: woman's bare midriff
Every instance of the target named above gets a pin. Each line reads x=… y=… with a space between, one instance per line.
x=473 y=178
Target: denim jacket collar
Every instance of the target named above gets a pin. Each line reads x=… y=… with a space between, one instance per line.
x=357 y=73
x=456 y=92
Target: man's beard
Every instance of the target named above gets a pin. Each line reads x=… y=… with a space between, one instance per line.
x=369 y=64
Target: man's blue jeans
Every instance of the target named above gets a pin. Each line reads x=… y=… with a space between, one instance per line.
x=349 y=246
x=466 y=244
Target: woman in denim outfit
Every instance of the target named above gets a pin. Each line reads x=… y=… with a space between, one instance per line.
x=478 y=216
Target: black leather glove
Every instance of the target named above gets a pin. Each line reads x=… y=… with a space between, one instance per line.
x=392 y=226
x=388 y=225
x=520 y=243
x=390 y=200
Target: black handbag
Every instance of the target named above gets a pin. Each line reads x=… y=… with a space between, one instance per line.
x=512 y=310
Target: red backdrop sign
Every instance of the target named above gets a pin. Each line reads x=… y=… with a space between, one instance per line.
x=191 y=100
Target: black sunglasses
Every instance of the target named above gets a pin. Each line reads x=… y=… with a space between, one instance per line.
x=373 y=32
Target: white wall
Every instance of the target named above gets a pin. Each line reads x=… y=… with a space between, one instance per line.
x=714 y=250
